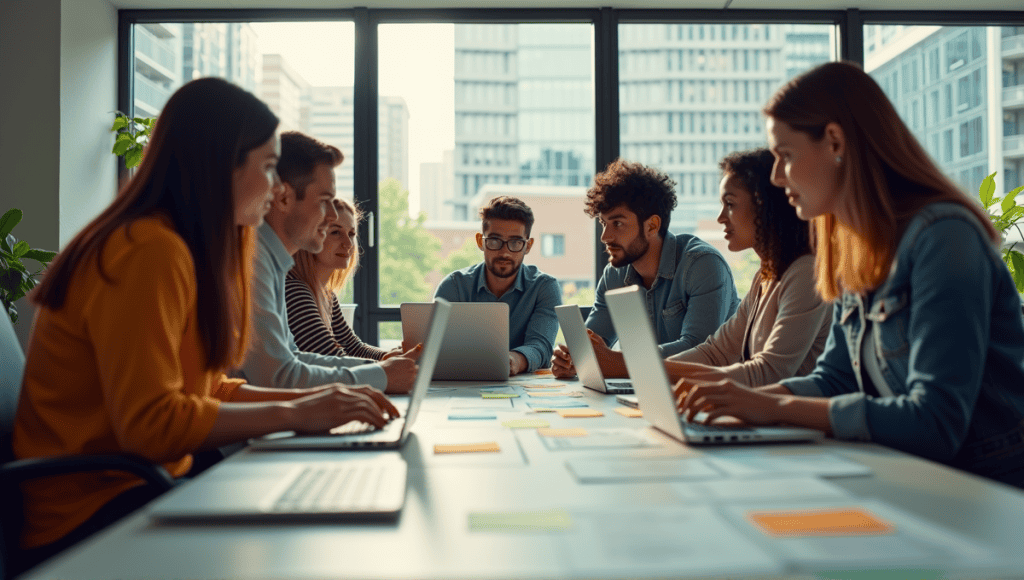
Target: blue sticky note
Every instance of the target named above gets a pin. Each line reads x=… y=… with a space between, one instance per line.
x=471 y=416
x=555 y=403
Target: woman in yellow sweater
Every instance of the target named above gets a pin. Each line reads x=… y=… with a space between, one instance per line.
x=143 y=311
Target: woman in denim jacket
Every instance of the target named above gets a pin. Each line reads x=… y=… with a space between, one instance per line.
x=926 y=352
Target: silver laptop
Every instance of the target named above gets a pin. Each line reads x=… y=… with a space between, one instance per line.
x=355 y=487
x=357 y=435
x=583 y=358
x=475 y=346
x=654 y=392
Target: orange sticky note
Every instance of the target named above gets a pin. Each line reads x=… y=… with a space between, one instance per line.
x=442 y=448
x=577 y=432
x=576 y=412
x=542 y=372
x=629 y=412
x=827 y=522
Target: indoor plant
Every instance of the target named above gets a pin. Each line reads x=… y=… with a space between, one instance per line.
x=132 y=137
x=1010 y=213
x=15 y=279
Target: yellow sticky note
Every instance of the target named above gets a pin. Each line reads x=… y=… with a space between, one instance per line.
x=629 y=412
x=538 y=521
x=441 y=448
x=575 y=432
x=575 y=394
x=525 y=423
x=499 y=395
x=826 y=522
x=580 y=413
x=542 y=372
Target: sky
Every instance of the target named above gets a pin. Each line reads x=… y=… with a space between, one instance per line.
x=416 y=62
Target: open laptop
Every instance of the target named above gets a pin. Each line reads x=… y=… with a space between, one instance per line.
x=656 y=397
x=356 y=435
x=475 y=346
x=583 y=358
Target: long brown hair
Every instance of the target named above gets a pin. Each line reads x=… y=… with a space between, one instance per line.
x=890 y=176
x=204 y=132
x=779 y=235
x=306 y=267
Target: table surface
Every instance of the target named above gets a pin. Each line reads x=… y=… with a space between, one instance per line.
x=945 y=523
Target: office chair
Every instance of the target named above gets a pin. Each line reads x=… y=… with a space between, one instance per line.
x=13 y=473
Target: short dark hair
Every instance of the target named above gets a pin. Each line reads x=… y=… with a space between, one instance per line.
x=506 y=207
x=644 y=190
x=300 y=154
x=779 y=235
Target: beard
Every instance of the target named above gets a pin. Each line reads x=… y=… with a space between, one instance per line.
x=495 y=269
x=637 y=248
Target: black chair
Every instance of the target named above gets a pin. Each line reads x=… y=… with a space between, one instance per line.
x=14 y=473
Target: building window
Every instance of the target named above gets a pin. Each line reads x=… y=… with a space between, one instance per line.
x=552 y=245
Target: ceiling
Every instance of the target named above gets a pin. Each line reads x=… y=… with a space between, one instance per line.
x=945 y=5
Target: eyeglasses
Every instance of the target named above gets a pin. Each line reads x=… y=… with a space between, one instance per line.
x=514 y=245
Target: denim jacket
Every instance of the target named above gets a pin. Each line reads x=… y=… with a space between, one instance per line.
x=691 y=297
x=949 y=341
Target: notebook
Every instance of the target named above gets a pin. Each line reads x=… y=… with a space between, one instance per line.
x=475 y=346
x=290 y=490
x=355 y=435
x=583 y=358
x=654 y=392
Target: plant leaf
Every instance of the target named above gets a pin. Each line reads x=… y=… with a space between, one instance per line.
x=1008 y=201
x=133 y=157
x=20 y=248
x=121 y=147
x=10 y=219
x=41 y=256
x=986 y=189
x=1017 y=266
x=119 y=123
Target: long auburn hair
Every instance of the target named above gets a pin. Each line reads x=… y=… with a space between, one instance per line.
x=889 y=174
x=204 y=132
x=306 y=267
x=779 y=235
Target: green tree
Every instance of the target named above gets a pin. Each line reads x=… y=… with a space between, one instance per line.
x=408 y=252
x=464 y=257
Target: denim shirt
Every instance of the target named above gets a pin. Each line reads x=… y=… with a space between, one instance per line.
x=949 y=341
x=532 y=324
x=273 y=359
x=691 y=297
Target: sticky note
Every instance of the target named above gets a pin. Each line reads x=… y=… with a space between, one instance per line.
x=543 y=410
x=525 y=423
x=542 y=372
x=556 y=394
x=629 y=412
x=580 y=413
x=538 y=521
x=470 y=416
x=827 y=522
x=541 y=386
x=490 y=447
x=576 y=432
x=557 y=403
x=499 y=395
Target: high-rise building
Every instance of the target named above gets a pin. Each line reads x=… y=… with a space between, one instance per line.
x=158 y=58
x=437 y=181
x=961 y=92
x=689 y=94
x=286 y=92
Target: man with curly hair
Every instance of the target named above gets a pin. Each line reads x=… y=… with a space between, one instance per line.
x=689 y=287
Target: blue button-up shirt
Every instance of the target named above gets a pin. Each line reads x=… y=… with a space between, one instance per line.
x=691 y=297
x=532 y=325
x=274 y=360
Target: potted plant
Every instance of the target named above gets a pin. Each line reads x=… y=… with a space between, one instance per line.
x=15 y=279
x=132 y=137
x=1010 y=213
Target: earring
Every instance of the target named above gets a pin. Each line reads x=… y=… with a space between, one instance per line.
x=839 y=159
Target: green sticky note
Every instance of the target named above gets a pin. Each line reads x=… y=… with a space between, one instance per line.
x=525 y=423
x=538 y=521
x=499 y=395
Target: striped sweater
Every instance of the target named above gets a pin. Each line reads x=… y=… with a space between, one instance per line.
x=312 y=335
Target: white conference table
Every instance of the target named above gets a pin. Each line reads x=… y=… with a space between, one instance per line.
x=946 y=523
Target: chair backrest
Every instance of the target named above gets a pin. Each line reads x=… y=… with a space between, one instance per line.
x=12 y=369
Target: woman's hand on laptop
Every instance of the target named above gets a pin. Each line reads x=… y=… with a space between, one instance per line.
x=401 y=371
x=561 y=363
x=407 y=350
x=727 y=398
x=340 y=404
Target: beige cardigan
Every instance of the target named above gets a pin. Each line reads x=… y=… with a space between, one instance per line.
x=783 y=325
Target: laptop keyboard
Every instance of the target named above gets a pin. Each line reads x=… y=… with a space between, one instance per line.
x=343 y=488
x=619 y=387
x=702 y=428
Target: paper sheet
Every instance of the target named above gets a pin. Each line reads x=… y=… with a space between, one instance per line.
x=526 y=423
x=600 y=439
x=578 y=432
x=530 y=521
x=629 y=412
x=487 y=447
x=760 y=464
x=640 y=470
x=580 y=413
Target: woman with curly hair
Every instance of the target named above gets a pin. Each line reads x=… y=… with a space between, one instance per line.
x=781 y=325
x=314 y=313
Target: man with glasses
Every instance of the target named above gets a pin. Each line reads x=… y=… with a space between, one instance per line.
x=531 y=295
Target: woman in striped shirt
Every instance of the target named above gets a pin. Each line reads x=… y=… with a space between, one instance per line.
x=314 y=313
